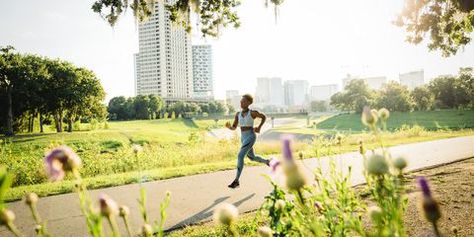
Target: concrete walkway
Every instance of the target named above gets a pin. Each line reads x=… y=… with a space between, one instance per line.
x=194 y=198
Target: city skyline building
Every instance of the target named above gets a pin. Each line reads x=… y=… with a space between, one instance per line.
x=202 y=72
x=412 y=79
x=296 y=93
x=164 y=61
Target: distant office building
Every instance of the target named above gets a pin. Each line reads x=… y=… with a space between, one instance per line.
x=412 y=79
x=202 y=72
x=269 y=92
x=232 y=97
x=164 y=61
x=135 y=72
x=374 y=83
x=323 y=92
x=296 y=93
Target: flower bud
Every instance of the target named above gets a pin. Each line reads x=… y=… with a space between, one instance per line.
x=124 y=211
x=295 y=177
x=264 y=231
x=31 y=199
x=226 y=214
x=147 y=230
x=280 y=204
x=384 y=114
x=400 y=163
x=137 y=148
x=38 y=229
x=375 y=213
x=6 y=216
x=108 y=207
x=377 y=165
x=369 y=117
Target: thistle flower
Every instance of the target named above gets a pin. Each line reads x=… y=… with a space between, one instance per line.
x=147 y=230
x=280 y=204
x=375 y=212
x=377 y=165
x=108 y=207
x=264 y=231
x=384 y=114
x=295 y=177
x=339 y=139
x=226 y=214
x=31 y=199
x=6 y=216
x=274 y=164
x=369 y=117
x=38 y=229
x=429 y=204
x=124 y=211
x=361 y=148
x=137 y=148
x=400 y=163
x=61 y=160
x=318 y=206
x=286 y=150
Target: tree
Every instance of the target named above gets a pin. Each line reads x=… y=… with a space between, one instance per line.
x=155 y=105
x=141 y=107
x=449 y=23
x=9 y=73
x=449 y=92
x=117 y=108
x=394 y=97
x=466 y=78
x=319 y=106
x=355 y=96
x=423 y=98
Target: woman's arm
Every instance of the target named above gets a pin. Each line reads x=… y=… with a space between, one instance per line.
x=256 y=114
x=234 y=125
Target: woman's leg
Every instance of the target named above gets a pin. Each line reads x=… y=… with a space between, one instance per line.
x=247 y=143
x=257 y=158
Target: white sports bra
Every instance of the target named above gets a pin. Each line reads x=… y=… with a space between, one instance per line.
x=246 y=121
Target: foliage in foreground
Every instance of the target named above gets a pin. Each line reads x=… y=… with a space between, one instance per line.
x=329 y=206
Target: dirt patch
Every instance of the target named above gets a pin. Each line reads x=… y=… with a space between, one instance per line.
x=453 y=186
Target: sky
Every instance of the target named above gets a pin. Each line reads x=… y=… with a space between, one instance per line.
x=315 y=40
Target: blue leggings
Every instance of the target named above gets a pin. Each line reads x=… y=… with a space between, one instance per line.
x=247 y=139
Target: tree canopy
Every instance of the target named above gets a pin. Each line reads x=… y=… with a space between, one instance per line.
x=448 y=24
x=34 y=87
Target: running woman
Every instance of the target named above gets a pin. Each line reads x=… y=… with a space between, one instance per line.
x=245 y=119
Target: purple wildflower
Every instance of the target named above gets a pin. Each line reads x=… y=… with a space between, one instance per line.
x=108 y=206
x=60 y=160
x=425 y=188
x=286 y=139
x=274 y=163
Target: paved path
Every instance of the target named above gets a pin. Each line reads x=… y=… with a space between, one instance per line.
x=195 y=197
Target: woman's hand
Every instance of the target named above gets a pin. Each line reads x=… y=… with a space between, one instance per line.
x=256 y=129
x=227 y=125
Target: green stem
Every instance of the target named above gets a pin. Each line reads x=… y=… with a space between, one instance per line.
x=127 y=226
x=14 y=230
x=113 y=226
x=436 y=230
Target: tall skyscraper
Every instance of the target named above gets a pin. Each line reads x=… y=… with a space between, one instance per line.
x=296 y=92
x=269 y=92
x=323 y=92
x=202 y=72
x=412 y=79
x=164 y=66
x=374 y=83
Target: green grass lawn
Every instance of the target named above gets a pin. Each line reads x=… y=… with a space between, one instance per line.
x=431 y=120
